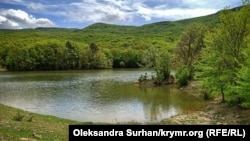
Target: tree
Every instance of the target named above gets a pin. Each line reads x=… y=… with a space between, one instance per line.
x=100 y=61
x=94 y=48
x=131 y=58
x=213 y=74
x=243 y=87
x=223 y=54
x=72 y=57
x=189 y=47
x=246 y=2
x=160 y=60
x=94 y=58
x=150 y=56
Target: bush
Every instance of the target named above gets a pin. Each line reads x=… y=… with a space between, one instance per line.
x=18 y=117
x=182 y=76
x=245 y=105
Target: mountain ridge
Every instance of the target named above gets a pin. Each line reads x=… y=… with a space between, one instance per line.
x=205 y=19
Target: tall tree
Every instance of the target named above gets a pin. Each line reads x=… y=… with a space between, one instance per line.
x=72 y=57
x=223 y=55
x=243 y=87
x=189 y=47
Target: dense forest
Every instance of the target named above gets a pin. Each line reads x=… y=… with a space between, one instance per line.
x=213 y=49
x=97 y=46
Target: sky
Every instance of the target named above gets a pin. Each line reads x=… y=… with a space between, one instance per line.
x=20 y=14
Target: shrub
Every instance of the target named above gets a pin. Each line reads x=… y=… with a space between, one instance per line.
x=182 y=76
x=18 y=117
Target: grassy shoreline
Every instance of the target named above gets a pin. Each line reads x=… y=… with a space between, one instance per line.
x=16 y=125
x=20 y=125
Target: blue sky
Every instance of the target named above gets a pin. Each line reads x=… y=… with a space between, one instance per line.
x=18 y=14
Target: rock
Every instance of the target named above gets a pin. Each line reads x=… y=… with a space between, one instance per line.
x=37 y=136
x=237 y=116
x=219 y=123
x=223 y=118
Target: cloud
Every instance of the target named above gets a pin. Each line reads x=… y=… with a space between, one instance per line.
x=36 y=6
x=112 y=11
x=7 y=24
x=215 y=4
x=172 y=14
x=12 y=1
x=128 y=11
x=93 y=11
x=18 y=19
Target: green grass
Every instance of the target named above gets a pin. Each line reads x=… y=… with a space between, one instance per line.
x=41 y=127
x=16 y=124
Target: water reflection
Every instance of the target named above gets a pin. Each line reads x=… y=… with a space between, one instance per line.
x=98 y=96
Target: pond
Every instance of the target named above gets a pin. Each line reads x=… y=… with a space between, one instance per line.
x=94 y=95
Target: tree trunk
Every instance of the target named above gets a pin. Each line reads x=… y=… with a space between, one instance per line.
x=222 y=95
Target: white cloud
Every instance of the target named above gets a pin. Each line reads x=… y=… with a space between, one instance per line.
x=36 y=6
x=13 y=1
x=18 y=19
x=121 y=4
x=112 y=11
x=127 y=11
x=173 y=14
x=96 y=12
x=6 y=24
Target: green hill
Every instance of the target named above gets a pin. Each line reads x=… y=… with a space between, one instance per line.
x=169 y=28
x=121 y=44
x=108 y=34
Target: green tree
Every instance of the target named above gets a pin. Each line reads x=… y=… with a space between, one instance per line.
x=131 y=58
x=49 y=55
x=223 y=55
x=189 y=47
x=72 y=57
x=182 y=76
x=116 y=57
x=150 y=56
x=246 y=2
x=243 y=87
x=160 y=60
x=100 y=61
x=94 y=58
x=18 y=58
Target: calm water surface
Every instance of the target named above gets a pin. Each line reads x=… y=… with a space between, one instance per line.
x=96 y=95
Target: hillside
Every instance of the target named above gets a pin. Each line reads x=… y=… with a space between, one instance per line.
x=120 y=46
x=164 y=28
x=102 y=33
